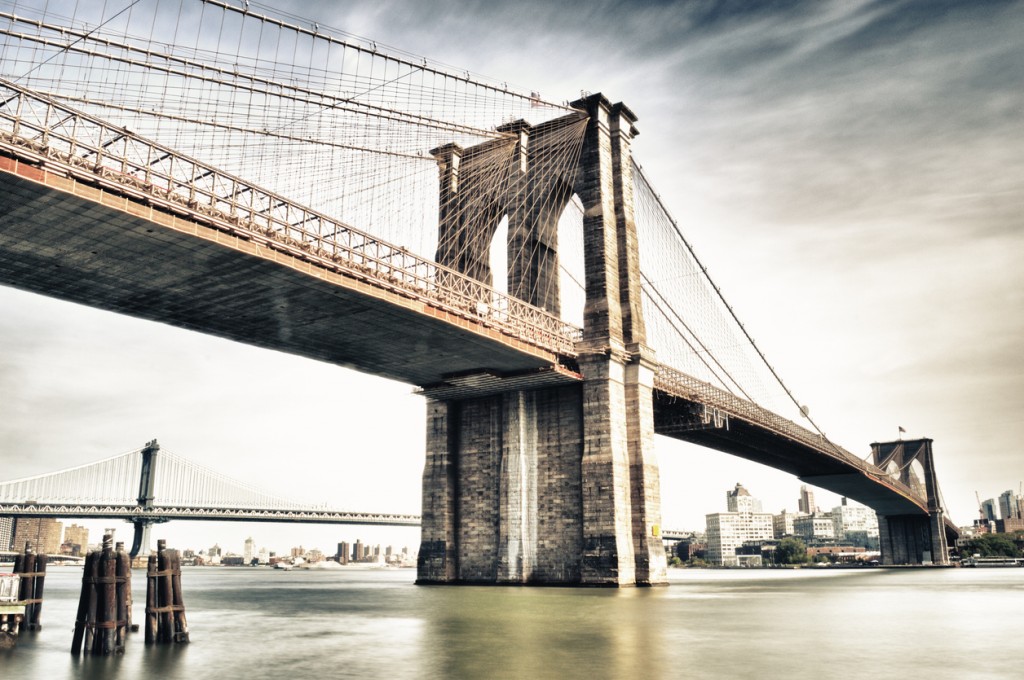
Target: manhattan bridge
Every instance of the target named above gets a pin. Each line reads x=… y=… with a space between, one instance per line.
x=258 y=177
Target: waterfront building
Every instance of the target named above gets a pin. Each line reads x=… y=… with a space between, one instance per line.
x=687 y=549
x=855 y=524
x=343 y=554
x=806 y=503
x=6 y=532
x=817 y=527
x=782 y=523
x=1009 y=526
x=43 y=532
x=358 y=551
x=728 y=531
x=250 y=550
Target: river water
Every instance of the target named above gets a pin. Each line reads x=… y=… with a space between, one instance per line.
x=365 y=623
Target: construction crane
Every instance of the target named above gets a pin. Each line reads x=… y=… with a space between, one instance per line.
x=981 y=511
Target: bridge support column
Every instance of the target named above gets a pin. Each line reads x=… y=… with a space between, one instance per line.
x=147 y=486
x=645 y=477
x=616 y=364
x=141 y=539
x=912 y=539
x=501 y=489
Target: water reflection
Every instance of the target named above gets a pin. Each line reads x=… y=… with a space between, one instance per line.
x=708 y=624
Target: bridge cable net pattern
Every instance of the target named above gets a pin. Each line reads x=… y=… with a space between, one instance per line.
x=705 y=353
x=332 y=134
x=180 y=485
x=331 y=131
x=111 y=481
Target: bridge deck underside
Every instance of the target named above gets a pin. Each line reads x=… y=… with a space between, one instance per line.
x=98 y=253
x=673 y=417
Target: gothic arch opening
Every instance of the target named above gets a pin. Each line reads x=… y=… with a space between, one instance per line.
x=498 y=257
x=915 y=478
x=572 y=290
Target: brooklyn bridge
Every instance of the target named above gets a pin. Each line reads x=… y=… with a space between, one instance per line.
x=503 y=254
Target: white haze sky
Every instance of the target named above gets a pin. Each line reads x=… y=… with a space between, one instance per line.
x=852 y=173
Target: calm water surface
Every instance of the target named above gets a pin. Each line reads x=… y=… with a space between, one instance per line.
x=353 y=623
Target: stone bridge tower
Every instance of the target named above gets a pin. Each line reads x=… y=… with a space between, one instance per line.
x=555 y=484
x=912 y=539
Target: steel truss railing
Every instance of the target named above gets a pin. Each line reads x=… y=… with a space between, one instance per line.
x=159 y=513
x=683 y=386
x=91 y=150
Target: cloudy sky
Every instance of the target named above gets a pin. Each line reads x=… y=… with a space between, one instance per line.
x=852 y=173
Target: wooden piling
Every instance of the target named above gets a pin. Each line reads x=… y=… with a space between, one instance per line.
x=32 y=570
x=180 y=624
x=152 y=622
x=165 y=607
x=124 y=585
x=106 y=616
x=86 y=605
x=102 y=609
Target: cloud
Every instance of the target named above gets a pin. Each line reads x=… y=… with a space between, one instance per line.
x=850 y=171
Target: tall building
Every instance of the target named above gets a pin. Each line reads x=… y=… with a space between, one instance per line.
x=249 y=551
x=740 y=500
x=1009 y=505
x=343 y=554
x=6 y=532
x=77 y=535
x=727 y=531
x=990 y=509
x=43 y=532
x=806 y=502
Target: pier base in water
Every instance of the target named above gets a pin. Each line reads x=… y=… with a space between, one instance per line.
x=104 y=614
x=165 y=608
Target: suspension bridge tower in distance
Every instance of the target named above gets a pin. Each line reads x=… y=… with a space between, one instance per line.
x=553 y=484
x=912 y=539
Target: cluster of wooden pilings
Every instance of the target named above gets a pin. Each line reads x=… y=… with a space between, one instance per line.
x=165 y=609
x=104 y=608
x=32 y=570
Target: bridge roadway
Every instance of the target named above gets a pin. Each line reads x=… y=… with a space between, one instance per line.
x=157 y=514
x=65 y=239
x=110 y=240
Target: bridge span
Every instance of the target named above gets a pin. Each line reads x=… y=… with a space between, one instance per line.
x=149 y=486
x=540 y=430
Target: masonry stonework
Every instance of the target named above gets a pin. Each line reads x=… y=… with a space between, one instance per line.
x=556 y=485
x=912 y=539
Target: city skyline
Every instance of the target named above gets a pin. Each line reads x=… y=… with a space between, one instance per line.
x=848 y=168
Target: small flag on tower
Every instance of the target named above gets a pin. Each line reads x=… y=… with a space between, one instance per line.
x=901 y=429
